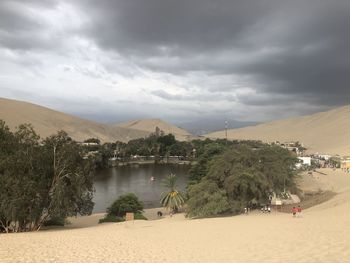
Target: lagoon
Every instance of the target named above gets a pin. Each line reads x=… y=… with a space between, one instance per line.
x=112 y=182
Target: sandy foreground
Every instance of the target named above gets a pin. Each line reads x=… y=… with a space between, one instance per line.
x=321 y=235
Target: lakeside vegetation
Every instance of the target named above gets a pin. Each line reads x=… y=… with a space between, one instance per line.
x=48 y=180
x=156 y=148
x=41 y=180
x=172 y=200
x=227 y=179
x=128 y=203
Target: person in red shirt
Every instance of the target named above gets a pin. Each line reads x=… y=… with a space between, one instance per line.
x=294 y=211
x=299 y=211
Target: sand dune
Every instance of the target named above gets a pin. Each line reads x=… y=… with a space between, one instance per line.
x=322 y=235
x=47 y=122
x=324 y=132
x=150 y=125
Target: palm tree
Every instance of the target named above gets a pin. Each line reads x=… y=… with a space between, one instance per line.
x=172 y=200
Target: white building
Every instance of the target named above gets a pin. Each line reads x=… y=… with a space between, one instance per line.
x=304 y=161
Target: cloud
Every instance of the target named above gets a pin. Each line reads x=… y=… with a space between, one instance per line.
x=166 y=26
x=250 y=57
x=201 y=96
x=287 y=47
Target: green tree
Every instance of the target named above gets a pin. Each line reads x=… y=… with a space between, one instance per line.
x=173 y=199
x=104 y=153
x=69 y=176
x=199 y=169
x=40 y=181
x=248 y=173
x=180 y=149
x=206 y=199
x=128 y=203
x=277 y=164
x=18 y=178
x=167 y=140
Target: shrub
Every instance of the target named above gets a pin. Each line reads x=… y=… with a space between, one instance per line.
x=117 y=219
x=125 y=203
x=128 y=203
x=56 y=221
x=139 y=216
x=111 y=218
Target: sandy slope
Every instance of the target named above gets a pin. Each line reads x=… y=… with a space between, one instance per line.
x=322 y=235
x=324 y=132
x=47 y=122
x=150 y=125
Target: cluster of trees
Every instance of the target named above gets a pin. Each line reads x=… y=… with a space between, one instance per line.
x=208 y=149
x=154 y=145
x=99 y=154
x=228 y=178
x=158 y=145
x=41 y=180
x=44 y=180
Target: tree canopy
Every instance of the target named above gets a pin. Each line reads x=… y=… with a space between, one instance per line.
x=41 y=180
x=127 y=203
x=241 y=175
x=124 y=204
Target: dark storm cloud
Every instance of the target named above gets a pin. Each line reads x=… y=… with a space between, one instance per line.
x=297 y=48
x=15 y=16
x=173 y=27
x=12 y=19
x=20 y=28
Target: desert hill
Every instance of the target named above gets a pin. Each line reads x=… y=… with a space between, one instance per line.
x=47 y=122
x=149 y=125
x=325 y=132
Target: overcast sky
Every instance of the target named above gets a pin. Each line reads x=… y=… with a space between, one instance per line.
x=179 y=60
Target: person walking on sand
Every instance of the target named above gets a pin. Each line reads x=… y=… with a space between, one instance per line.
x=246 y=211
x=299 y=211
x=294 y=211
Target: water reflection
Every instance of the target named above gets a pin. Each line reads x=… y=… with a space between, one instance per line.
x=113 y=182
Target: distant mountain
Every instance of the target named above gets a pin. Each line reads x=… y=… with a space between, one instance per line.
x=208 y=125
x=47 y=122
x=325 y=132
x=149 y=125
